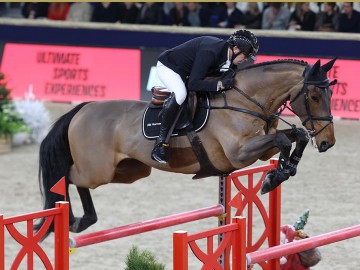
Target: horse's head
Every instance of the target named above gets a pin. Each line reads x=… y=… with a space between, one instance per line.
x=312 y=104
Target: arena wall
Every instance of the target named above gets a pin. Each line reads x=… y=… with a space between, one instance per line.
x=148 y=41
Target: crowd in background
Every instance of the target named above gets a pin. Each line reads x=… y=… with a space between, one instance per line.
x=293 y=16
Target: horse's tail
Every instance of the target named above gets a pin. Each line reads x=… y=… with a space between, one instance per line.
x=55 y=161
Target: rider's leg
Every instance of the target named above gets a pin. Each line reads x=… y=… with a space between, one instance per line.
x=161 y=151
x=175 y=84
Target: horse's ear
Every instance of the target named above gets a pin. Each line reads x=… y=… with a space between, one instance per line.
x=314 y=69
x=328 y=65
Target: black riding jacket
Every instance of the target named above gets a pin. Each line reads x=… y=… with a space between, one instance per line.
x=196 y=59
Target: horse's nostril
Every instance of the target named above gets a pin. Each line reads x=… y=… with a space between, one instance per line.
x=324 y=146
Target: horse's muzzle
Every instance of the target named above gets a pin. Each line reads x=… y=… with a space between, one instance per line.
x=324 y=146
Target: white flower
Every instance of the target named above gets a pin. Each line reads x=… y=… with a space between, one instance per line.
x=35 y=116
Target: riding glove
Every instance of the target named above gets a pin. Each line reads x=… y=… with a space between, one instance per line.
x=227 y=82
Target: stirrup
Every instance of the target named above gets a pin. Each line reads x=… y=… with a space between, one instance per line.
x=161 y=152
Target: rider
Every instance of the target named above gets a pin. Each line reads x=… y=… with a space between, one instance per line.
x=195 y=59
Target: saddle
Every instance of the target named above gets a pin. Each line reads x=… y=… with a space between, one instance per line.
x=193 y=116
x=194 y=113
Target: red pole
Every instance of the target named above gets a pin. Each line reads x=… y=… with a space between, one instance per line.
x=301 y=245
x=62 y=237
x=239 y=244
x=275 y=219
x=146 y=226
x=2 y=243
x=180 y=251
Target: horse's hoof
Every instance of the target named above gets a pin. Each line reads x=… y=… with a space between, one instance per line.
x=292 y=172
x=272 y=180
x=267 y=183
x=265 y=186
x=75 y=226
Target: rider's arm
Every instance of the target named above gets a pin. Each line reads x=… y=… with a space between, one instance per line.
x=202 y=64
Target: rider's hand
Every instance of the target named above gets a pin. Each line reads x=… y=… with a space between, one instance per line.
x=226 y=83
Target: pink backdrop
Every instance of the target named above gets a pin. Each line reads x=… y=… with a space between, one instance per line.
x=345 y=101
x=71 y=74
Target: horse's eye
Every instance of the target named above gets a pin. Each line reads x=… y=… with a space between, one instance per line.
x=315 y=98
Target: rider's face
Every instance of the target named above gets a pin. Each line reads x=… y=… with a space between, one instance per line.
x=240 y=58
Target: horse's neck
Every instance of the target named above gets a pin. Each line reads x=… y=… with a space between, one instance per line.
x=269 y=88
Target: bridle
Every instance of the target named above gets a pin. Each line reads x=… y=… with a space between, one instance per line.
x=325 y=85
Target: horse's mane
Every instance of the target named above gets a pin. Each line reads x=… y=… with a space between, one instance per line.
x=278 y=61
x=267 y=63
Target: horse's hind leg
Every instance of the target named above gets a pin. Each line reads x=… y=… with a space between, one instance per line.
x=89 y=216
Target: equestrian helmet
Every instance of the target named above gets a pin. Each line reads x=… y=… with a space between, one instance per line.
x=246 y=41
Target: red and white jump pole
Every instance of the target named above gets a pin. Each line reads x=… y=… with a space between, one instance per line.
x=301 y=245
x=146 y=226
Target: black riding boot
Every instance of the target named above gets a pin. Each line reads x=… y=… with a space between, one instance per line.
x=161 y=151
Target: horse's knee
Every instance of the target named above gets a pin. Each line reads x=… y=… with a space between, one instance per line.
x=302 y=137
x=283 y=143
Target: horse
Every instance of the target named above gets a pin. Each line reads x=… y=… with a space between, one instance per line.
x=102 y=142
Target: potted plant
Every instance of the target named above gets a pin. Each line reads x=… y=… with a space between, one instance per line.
x=10 y=121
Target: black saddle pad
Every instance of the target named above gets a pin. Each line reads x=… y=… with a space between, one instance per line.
x=151 y=123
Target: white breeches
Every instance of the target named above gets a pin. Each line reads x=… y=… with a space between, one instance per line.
x=172 y=81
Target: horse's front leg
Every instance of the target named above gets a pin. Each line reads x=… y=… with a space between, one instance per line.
x=286 y=166
x=302 y=140
x=275 y=177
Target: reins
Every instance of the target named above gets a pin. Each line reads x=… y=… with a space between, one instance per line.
x=226 y=106
x=269 y=119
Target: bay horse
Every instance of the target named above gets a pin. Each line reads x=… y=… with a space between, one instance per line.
x=101 y=142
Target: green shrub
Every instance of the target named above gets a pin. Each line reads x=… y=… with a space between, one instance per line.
x=142 y=260
x=10 y=120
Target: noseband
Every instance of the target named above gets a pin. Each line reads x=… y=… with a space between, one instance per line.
x=325 y=85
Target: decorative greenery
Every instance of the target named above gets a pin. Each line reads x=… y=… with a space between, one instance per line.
x=143 y=260
x=10 y=121
x=302 y=220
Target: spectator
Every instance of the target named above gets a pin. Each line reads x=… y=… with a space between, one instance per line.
x=3 y=9
x=253 y=16
x=349 y=20
x=218 y=13
x=328 y=20
x=234 y=17
x=199 y=15
x=58 y=11
x=129 y=12
x=150 y=13
x=302 y=18
x=11 y=9
x=106 y=12
x=275 y=17
x=35 y=10
x=167 y=6
x=179 y=14
x=80 y=12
